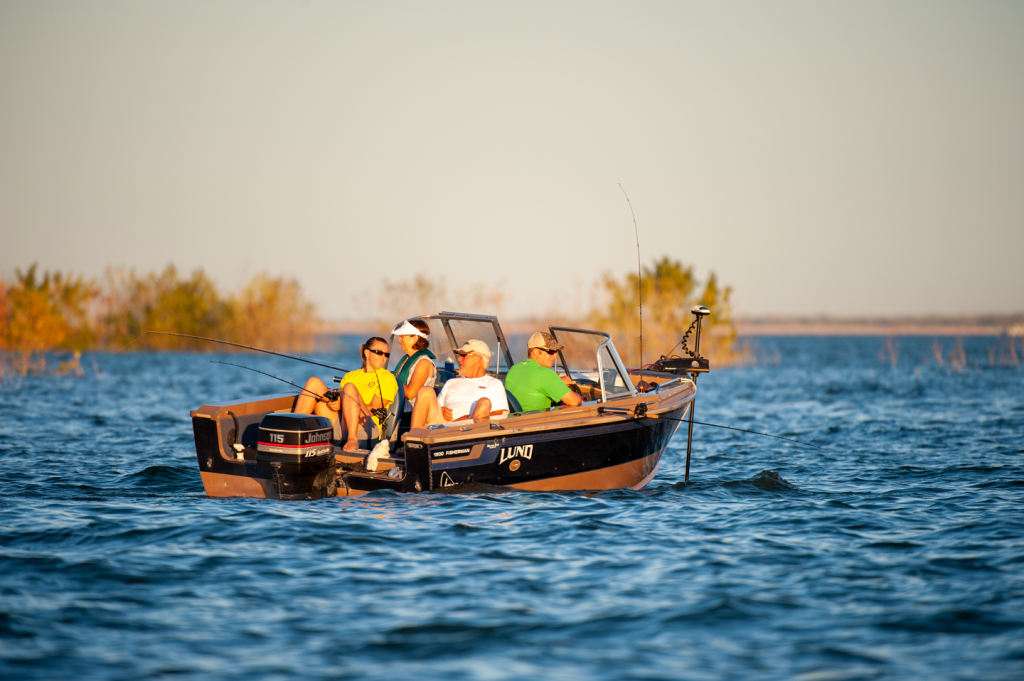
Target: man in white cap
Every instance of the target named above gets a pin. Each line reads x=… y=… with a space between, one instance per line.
x=534 y=383
x=473 y=396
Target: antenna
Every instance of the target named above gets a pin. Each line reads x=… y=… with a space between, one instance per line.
x=639 y=275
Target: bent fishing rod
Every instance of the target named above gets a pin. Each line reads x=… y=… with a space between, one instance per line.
x=246 y=347
x=329 y=396
x=640 y=412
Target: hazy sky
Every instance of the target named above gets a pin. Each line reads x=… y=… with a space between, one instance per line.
x=821 y=157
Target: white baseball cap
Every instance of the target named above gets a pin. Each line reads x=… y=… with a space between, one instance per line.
x=477 y=346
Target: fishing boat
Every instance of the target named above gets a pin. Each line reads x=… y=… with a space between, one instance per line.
x=614 y=439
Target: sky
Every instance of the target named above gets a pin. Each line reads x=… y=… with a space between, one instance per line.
x=840 y=158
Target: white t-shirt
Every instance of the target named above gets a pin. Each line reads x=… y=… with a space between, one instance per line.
x=461 y=395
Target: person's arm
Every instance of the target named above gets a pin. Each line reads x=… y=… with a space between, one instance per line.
x=499 y=402
x=571 y=399
x=556 y=390
x=446 y=412
x=420 y=373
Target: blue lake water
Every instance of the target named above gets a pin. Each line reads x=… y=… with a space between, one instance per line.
x=898 y=553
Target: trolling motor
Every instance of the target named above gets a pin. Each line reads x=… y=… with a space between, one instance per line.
x=692 y=364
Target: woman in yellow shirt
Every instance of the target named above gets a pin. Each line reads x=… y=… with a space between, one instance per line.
x=371 y=387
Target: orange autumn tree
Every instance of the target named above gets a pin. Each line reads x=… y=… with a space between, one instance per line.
x=44 y=312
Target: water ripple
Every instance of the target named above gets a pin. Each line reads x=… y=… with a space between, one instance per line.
x=895 y=554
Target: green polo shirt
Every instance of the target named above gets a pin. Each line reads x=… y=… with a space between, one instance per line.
x=535 y=387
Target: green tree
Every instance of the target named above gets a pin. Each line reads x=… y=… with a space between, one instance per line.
x=669 y=289
x=162 y=302
x=272 y=313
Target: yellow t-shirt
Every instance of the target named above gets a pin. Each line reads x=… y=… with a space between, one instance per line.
x=366 y=383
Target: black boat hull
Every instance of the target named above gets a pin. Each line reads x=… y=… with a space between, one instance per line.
x=578 y=449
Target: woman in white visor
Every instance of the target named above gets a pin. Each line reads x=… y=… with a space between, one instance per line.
x=416 y=369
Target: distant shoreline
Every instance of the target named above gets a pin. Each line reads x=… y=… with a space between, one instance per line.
x=821 y=325
x=963 y=325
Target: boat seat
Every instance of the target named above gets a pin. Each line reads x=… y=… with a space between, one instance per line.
x=395 y=411
x=513 y=404
x=443 y=375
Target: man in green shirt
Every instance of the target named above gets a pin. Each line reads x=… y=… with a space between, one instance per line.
x=534 y=383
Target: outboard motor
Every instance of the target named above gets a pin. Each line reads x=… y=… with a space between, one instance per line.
x=295 y=450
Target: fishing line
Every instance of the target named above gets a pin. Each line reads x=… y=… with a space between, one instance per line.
x=639 y=274
x=753 y=432
x=97 y=365
x=149 y=397
x=640 y=411
x=242 y=366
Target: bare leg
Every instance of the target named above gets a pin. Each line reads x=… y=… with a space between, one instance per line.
x=307 y=403
x=482 y=410
x=351 y=415
x=427 y=409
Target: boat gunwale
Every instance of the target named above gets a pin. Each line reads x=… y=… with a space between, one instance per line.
x=584 y=415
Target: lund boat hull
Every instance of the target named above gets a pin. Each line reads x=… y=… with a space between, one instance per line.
x=569 y=449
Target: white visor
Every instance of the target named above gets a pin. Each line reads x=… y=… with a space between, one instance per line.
x=407 y=329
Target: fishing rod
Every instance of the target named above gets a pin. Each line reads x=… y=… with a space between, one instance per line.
x=640 y=412
x=155 y=393
x=639 y=276
x=246 y=347
x=329 y=396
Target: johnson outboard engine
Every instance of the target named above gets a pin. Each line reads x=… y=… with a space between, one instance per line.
x=295 y=450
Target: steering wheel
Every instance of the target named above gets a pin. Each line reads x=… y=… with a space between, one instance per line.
x=576 y=389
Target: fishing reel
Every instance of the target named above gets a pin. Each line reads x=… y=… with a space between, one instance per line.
x=332 y=395
x=382 y=416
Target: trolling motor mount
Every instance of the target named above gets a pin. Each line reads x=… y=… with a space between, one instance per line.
x=694 y=363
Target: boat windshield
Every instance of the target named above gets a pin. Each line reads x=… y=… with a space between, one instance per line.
x=589 y=357
x=450 y=330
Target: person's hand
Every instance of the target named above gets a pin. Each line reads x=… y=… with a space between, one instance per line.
x=447 y=413
x=335 y=405
x=565 y=379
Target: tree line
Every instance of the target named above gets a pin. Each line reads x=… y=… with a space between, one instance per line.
x=669 y=289
x=53 y=311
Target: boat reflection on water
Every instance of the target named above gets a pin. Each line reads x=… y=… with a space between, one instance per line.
x=614 y=439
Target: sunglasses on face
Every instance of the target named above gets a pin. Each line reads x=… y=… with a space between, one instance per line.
x=550 y=352
x=379 y=352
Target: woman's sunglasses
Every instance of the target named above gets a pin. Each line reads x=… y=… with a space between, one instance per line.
x=379 y=352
